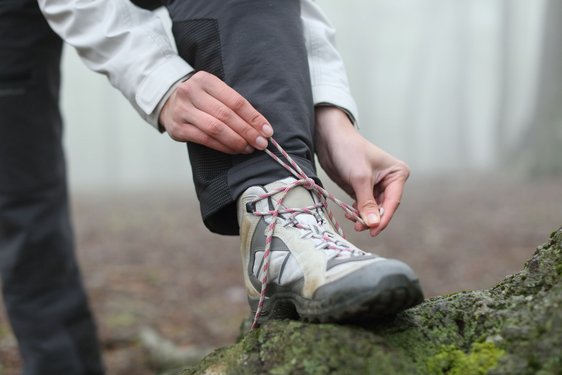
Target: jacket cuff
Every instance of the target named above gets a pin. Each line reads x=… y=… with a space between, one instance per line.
x=330 y=95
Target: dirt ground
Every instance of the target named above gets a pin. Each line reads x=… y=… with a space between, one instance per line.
x=149 y=262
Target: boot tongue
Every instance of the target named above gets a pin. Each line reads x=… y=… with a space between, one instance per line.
x=298 y=197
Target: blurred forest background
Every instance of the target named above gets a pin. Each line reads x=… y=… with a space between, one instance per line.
x=468 y=93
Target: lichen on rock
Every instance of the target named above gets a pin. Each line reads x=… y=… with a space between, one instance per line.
x=483 y=357
x=512 y=328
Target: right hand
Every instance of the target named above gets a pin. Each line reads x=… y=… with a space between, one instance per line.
x=205 y=110
x=371 y=176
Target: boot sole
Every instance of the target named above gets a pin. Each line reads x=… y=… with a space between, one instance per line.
x=393 y=293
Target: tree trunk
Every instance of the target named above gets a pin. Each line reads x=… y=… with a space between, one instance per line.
x=540 y=151
x=504 y=82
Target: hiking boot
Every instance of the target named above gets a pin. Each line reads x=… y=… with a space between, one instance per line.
x=311 y=272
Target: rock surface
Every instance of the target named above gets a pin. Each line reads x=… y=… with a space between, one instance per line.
x=512 y=328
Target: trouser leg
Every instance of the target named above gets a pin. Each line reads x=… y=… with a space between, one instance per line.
x=41 y=282
x=42 y=287
x=257 y=47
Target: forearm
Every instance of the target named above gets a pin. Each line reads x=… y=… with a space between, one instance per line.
x=127 y=44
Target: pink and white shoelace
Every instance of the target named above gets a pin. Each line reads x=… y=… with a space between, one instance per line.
x=301 y=180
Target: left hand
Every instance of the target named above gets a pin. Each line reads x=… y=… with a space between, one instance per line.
x=205 y=110
x=367 y=173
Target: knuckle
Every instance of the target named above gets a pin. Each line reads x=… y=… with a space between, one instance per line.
x=223 y=113
x=205 y=74
x=238 y=102
x=214 y=128
x=175 y=136
x=404 y=168
x=202 y=139
x=248 y=132
x=256 y=119
x=369 y=204
x=174 y=132
x=180 y=136
x=185 y=89
x=185 y=134
x=200 y=75
x=360 y=177
x=196 y=137
x=194 y=83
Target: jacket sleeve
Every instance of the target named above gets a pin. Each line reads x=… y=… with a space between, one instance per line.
x=330 y=85
x=126 y=43
x=130 y=46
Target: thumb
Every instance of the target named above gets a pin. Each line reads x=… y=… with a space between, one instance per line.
x=367 y=205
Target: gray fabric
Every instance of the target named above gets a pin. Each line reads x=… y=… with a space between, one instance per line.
x=41 y=282
x=257 y=47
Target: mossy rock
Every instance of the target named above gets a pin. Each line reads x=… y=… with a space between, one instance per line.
x=513 y=328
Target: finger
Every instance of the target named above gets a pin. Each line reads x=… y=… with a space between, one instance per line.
x=180 y=117
x=218 y=131
x=390 y=204
x=366 y=203
x=220 y=111
x=237 y=103
x=357 y=225
x=191 y=133
x=385 y=219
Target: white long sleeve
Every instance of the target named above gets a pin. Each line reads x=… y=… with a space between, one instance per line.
x=327 y=71
x=130 y=46
x=127 y=44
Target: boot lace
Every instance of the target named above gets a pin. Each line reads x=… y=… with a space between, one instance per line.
x=288 y=216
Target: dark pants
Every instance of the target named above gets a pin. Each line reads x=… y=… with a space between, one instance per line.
x=257 y=47
x=41 y=282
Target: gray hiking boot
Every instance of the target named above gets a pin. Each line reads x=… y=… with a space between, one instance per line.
x=311 y=271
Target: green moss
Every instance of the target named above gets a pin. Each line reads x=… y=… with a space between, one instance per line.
x=335 y=350
x=552 y=366
x=513 y=328
x=451 y=361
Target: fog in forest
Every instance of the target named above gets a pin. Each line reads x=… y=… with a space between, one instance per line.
x=448 y=86
x=467 y=92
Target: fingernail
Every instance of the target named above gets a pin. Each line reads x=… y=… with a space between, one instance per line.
x=267 y=130
x=381 y=211
x=372 y=219
x=261 y=142
x=248 y=150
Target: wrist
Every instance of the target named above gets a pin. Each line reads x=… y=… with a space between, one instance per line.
x=163 y=104
x=331 y=123
x=331 y=115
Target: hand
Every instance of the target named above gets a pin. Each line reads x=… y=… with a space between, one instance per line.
x=367 y=173
x=205 y=110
